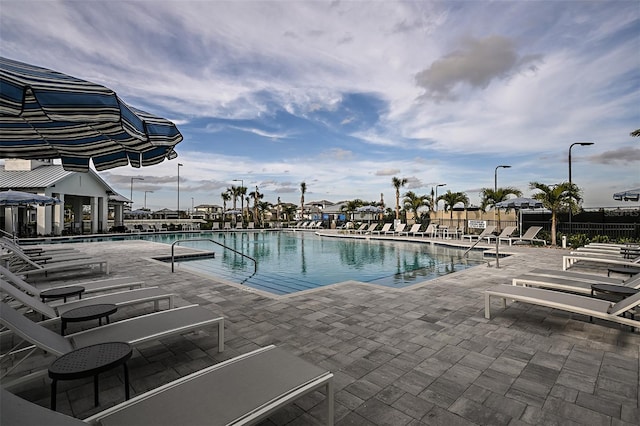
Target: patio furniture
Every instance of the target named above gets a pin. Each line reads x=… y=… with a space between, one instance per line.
x=570 y=260
x=137 y=330
x=568 y=302
x=87 y=313
x=528 y=237
x=62 y=293
x=90 y=361
x=384 y=230
x=241 y=391
x=506 y=233
x=485 y=232
x=567 y=283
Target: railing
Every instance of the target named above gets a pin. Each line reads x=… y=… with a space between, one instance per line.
x=255 y=263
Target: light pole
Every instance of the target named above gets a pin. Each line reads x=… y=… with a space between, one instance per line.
x=435 y=201
x=495 y=189
x=241 y=198
x=495 y=176
x=178 y=211
x=145 y=199
x=570 y=182
x=131 y=195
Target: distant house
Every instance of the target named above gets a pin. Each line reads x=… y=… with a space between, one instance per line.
x=85 y=199
x=165 y=214
x=206 y=211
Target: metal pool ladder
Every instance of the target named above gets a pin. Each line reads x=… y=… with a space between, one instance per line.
x=255 y=263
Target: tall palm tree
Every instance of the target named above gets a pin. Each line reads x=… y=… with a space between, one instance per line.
x=451 y=199
x=263 y=206
x=225 y=197
x=289 y=210
x=491 y=197
x=303 y=190
x=233 y=191
x=256 y=195
x=412 y=202
x=397 y=184
x=559 y=197
x=242 y=192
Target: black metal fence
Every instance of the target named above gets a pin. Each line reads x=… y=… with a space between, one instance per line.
x=615 y=223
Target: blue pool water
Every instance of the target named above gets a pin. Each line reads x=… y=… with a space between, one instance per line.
x=288 y=262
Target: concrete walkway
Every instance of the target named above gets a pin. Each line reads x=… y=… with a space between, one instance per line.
x=418 y=356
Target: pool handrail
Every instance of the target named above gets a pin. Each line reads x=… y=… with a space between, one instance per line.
x=255 y=262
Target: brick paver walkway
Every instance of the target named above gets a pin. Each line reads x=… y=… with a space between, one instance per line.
x=423 y=355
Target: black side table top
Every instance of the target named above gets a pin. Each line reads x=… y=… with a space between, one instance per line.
x=86 y=313
x=62 y=292
x=90 y=360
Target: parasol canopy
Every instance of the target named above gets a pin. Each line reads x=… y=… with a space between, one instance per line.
x=369 y=209
x=45 y=114
x=629 y=195
x=12 y=198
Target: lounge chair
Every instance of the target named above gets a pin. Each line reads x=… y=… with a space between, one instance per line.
x=361 y=229
x=372 y=227
x=251 y=225
x=227 y=226
x=120 y=299
x=239 y=225
x=570 y=260
x=568 y=302
x=242 y=390
x=528 y=237
x=215 y=226
x=414 y=228
x=384 y=230
x=575 y=276
x=431 y=231
x=572 y=284
x=97 y=286
x=397 y=229
x=135 y=331
x=506 y=233
x=37 y=269
x=482 y=235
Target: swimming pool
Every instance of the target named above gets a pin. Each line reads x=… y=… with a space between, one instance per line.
x=289 y=262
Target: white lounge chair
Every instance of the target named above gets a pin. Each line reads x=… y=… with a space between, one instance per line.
x=528 y=237
x=384 y=230
x=485 y=233
x=30 y=267
x=360 y=230
x=96 y=286
x=372 y=227
x=506 y=233
x=397 y=229
x=568 y=302
x=120 y=299
x=572 y=284
x=570 y=260
x=414 y=228
x=135 y=331
x=240 y=391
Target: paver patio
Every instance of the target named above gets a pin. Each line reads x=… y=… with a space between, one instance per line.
x=422 y=355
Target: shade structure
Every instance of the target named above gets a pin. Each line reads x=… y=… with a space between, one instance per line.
x=45 y=114
x=520 y=204
x=369 y=209
x=629 y=195
x=14 y=199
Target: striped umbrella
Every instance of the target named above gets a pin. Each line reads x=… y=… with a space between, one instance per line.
x=45 y=114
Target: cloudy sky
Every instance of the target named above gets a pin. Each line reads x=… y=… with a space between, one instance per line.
x=345 y=95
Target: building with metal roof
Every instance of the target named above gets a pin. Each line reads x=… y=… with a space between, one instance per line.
x=85 y=199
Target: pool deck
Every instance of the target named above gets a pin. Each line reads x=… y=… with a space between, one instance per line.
x=423 y=355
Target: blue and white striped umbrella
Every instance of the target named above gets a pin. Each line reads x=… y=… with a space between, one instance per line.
x=45 y=114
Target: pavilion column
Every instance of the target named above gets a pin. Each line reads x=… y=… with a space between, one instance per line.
x=77 y=215
x=103 y=208
x=118 y=215
x=43 y=220
x=8 y=219
x=94 y=215
x=58 y=215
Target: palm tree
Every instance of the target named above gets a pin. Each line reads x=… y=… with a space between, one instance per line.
x=451 y=199
x=303 y=190
x=289 y=210
x=413 y=202
x=233 y=191
x=256 y=196
x=242 y=192
x=397 y=184
x=559 y=197
x=491 y=197
x=351 y=206
x=225 y=197
x=262 y=207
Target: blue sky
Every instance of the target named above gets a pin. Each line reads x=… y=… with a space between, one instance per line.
x=345 y=95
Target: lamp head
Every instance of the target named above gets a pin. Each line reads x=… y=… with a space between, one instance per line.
x=441 y=184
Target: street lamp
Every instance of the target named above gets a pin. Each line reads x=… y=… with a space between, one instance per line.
x=179 y=165
x=570 y=182
x=495 y=176
x=131 y=195
x=145 y=199
x=436 y=199
x=241 y=198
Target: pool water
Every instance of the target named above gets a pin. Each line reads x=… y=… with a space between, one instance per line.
x=289 y=262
